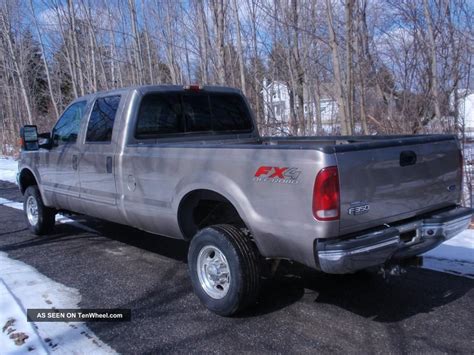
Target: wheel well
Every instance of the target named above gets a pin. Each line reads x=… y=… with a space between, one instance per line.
x=26 y=179
x=202 y=208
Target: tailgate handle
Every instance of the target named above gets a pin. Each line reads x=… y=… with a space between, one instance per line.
x=407 y=157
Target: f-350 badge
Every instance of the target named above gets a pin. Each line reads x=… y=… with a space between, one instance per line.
x=358 y=208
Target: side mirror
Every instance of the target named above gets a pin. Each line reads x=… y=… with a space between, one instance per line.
x=45 y=140
x=29 y=137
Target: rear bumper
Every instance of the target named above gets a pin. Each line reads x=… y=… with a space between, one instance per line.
x=398 y=241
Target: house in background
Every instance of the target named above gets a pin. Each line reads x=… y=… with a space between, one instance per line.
x=277 y=110
x=465 y=122
x=466 y=112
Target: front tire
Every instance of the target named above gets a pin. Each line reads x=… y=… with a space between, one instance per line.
x=39 y=218
x=224 y=268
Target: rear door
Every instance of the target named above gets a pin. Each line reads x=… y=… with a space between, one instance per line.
x=97 y=162
x=385 y=181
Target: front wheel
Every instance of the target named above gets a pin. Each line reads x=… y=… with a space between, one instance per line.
x=224 y=268
x=40 y=219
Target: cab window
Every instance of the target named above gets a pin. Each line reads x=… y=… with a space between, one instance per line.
x=159 y=114
x=67 y=127
x=102 y=118
x=177 y=114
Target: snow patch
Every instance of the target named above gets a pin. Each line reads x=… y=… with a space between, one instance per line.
x=8 y=169
x=12 y=204
x=17 y=336
x=454 y=256
x=29 y=288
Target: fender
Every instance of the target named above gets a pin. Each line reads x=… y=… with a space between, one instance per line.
x=222 y=185
x=28 y=167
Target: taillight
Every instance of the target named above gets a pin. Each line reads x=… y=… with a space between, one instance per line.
x=326 y=195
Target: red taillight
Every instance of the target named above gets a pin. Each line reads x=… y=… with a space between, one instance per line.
x=326 y=195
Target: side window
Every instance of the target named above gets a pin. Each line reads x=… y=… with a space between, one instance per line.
x=159 y=114
x=101 y=121
x=67 y=128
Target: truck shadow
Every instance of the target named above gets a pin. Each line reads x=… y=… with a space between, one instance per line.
x=176 y=249
x=365 y=294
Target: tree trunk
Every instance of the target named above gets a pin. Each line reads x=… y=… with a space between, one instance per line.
x=219 y=23
x=338 y=81
x=433 y=60
x=239 y=49
x=75 y=46
x=349 y=5
x=137 y=50
x=8 y=38
x=45 y=63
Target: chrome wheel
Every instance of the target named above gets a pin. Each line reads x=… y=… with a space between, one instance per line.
x=32 y=210
x=213 y=272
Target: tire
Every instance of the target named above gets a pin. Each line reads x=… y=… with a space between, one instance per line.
x=239 y=286
x=43 y=222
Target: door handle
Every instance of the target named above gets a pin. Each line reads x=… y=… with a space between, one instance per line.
x=407 y=157
x=74 y=162
x=108 y=165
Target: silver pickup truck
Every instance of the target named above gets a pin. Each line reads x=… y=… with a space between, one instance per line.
x=188 y=162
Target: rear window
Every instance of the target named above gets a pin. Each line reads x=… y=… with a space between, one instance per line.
x=170 y=114
x=159 y=114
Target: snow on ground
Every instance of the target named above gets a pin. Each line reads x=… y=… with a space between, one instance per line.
x=17 y=336
x=8 y=169
x=454 y=256
x=25 y=287
x=12 y=204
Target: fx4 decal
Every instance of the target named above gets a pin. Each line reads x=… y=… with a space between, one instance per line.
x=276 y=174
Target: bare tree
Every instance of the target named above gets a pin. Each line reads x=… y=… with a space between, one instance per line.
x=7 y=35
x=388 y=66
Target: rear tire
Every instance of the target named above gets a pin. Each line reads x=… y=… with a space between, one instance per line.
x=39 y=218
x=224 y=268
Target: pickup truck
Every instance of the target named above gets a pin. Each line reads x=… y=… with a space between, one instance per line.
x=188 y=162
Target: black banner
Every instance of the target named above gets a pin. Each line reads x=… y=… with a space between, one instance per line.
x=78 y=315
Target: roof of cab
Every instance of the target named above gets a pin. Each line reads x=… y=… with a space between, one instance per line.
x=143 y=89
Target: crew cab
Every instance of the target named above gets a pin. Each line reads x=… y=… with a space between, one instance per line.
x=188 y=162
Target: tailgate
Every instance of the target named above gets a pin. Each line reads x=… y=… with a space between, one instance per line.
x=388 y=180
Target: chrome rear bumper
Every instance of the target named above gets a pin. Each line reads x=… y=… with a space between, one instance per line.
x=375 y=247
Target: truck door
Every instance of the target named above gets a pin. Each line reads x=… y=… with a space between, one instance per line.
x=97 y=162
x=60 y=175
